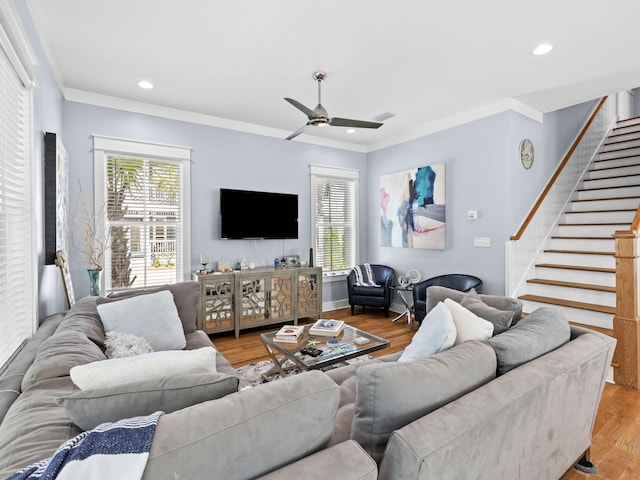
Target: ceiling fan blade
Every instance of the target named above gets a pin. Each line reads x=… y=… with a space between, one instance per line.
x=296 y=133
x=346 y=122
x=307 y=111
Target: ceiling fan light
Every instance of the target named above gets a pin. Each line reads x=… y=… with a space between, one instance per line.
x=351 y=130
x=542 y=49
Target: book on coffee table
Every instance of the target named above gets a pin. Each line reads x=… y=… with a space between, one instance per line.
x=289 y=334
x=326 y=328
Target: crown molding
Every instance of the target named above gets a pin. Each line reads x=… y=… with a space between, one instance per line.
x=82 y=96
x=15 y=43
x=117 y=103
x=504 y=105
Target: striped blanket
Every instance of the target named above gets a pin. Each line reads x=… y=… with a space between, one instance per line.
x=364 y=275
x=111 y=450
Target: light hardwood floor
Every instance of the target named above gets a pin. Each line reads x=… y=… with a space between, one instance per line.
x=616 y=436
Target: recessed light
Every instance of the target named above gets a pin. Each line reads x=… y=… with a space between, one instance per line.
x=145 y=84
x=542 y=49
x=351 y=130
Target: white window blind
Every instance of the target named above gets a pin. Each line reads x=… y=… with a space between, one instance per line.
x=144 y=208
x=17 y=254
x=334 y=212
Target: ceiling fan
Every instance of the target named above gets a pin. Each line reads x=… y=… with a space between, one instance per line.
x=318 y=117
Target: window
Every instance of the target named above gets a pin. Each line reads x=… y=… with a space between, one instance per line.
x=142 y=206
x=334 y=218
x=18 y=257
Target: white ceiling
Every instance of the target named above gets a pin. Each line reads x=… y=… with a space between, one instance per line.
x=432 y=64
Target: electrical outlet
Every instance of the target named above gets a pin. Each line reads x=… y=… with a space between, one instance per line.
x=481 y=241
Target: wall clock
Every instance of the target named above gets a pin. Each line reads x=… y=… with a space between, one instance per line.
x=526 y=153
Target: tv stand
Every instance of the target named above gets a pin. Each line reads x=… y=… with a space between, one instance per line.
x=245 y=299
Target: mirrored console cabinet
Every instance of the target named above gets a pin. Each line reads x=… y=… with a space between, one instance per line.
x=251 y=298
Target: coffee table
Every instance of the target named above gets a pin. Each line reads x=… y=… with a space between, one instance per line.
x=346 y=349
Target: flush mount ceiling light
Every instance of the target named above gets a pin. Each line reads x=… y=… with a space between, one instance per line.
x=351 y=130
x=146 y=84
x=542 y=49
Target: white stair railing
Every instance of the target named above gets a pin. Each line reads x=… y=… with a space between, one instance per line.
x=522 y=249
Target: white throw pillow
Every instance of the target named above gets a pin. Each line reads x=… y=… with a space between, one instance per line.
x=148 y=366
x=153 y=317
x=468 y=325
x=437 y=332
x=120 y=344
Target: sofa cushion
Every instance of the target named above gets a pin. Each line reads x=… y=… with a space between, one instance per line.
x=437 y=332
x=59 y=354
x=35 y=426
x=541 y=331
x=437 y=294
x=89 y=408
x=148 y=366
x=258 y=429
x=186 y=296
x=469 y=326
x=390 y=395
x=501 y=319
x=83 y=317
x=12 y=375
x=153 y=316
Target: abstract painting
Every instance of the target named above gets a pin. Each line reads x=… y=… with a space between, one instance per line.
x=412 y=208
x=56 y=194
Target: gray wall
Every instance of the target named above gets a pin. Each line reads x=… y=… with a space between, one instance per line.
x=220 y=158
x=482 y=168
x=483 y=173
x=47 y=109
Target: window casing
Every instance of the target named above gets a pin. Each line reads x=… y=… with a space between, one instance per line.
x=18 y=257
x=334 y=212
x=143 y=209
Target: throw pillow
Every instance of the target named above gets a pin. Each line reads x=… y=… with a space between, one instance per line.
x=153 y=317
x=469 y=326
x=501 y=319
x=437 y=332
x=148 y=366
x=436 y=293
x=120 y=345
x=538 y=333
x=186 y=296
x=90 y=408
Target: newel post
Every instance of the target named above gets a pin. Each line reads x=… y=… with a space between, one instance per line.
x=626 y=325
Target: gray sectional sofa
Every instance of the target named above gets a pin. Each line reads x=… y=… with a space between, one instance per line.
x=520 y=405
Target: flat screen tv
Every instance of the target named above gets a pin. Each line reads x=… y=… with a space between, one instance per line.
x=246 y=214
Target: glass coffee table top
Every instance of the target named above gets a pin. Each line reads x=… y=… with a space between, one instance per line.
x=352 y=342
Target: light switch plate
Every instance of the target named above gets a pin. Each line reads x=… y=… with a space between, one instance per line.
x=481 y=241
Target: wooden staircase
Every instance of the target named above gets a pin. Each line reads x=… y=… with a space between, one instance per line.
x=577 y=269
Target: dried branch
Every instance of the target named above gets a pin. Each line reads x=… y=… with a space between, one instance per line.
x=95 y=243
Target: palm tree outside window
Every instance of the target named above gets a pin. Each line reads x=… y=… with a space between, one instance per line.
x=145 y=220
